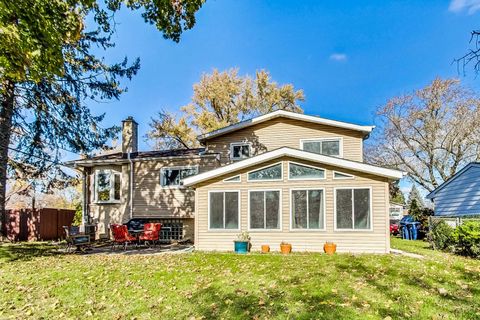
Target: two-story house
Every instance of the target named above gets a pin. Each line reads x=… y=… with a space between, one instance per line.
x=282 y=176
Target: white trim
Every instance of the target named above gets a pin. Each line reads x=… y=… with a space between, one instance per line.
x=280 y=211
x=299 y=154
x=226 y=180
x=348 y=176
x=287 y=114
x=239 y=212
x=353 y=209
x=112 y=173
x=240 y=144
x=339 y=139
x=305 y=165
x=291 y=228
x=175 y=186
x=265 y=167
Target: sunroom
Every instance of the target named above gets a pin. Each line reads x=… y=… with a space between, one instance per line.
x=296 y=196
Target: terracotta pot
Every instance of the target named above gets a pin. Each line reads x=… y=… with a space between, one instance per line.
x=330 y=248
x=265 y=248
x=286 y=248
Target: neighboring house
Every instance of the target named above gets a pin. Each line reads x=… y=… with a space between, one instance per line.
x=459 y=195
x=282 y=176
x=397 y=211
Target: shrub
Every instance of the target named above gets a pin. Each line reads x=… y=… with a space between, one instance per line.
x=467 y=239
x=421 y=215
x=441 y=236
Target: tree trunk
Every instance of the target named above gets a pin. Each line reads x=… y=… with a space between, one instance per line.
x=7 y=97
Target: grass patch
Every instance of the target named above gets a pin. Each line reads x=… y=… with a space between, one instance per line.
x=37 y=283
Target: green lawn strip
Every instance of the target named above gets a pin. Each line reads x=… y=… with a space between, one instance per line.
x=225 y=285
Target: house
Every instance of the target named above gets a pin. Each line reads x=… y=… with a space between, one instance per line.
x=459 y=195
x=397 y=211
x=282 y=176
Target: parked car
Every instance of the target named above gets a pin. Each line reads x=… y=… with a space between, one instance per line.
x=394 y=228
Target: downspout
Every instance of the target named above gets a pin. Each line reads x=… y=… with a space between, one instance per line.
x=131 y=185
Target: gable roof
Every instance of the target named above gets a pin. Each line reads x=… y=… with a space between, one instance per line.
x=432 y=194
x=286 y=114
x=294 y=153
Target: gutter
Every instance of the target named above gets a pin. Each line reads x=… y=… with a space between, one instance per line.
x=128 y=160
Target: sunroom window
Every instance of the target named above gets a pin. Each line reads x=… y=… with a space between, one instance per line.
x=298 y=171
x=223 y=210
x=239 y=150
x=307 y=209
x=174 y=176
x=107 y=185
x=328 y=147
x=353 y=210
x=269 y=173
x=264 y=209
x=341 y=175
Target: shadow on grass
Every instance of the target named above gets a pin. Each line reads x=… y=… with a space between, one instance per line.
x=213 y=302
x=26 y=251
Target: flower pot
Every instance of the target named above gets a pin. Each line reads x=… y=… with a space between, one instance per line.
x=241 y=246
x=285 y=248
x=265 y=248
x=330 y=248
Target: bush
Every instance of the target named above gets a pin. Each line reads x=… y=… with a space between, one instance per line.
x=421 y=215
x=467 y=239
x=441 y=236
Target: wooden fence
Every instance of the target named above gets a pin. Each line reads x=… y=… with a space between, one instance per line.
x=39 y=224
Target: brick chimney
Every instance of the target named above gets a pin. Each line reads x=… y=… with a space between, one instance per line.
x=129 y=135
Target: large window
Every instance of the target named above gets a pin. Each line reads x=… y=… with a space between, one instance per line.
x=304 y=172
x=307 y=209
x=353 y=209
x=328 y=147
x=174 y=176
x=107 y=185
x=267 y=174
x=224 y=210
x=264 y=208
x=239 y=150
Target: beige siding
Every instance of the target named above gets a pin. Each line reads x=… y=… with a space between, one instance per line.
x=150 y=199
x=284 y=132
x=376 y=241
x=104 y=214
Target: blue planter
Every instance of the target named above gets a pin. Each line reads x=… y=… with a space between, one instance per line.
x=241 y=247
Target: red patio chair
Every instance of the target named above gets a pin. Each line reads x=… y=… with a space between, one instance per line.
x=151 y=232
x=121 y=236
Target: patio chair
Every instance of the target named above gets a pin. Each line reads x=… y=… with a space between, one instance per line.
x=151 y=232
x=75 y=239
x=121 y=236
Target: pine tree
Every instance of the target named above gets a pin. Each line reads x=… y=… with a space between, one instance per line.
x=414 y=196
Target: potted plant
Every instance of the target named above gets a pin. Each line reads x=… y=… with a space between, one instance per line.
x=330 y=248
x=285 y=247
x=242 y=244
x=265 y=248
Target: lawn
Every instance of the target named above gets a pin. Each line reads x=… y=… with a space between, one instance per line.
x=37 y=283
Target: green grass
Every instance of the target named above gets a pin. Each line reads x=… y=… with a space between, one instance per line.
x=36 y=283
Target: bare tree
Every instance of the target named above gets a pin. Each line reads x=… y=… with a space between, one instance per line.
x=473 y=54
x=430 y=133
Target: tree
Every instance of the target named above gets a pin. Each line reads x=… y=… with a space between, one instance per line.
x=414 y=196
x=221 y=99
x=473 y=54
x=396 y=195
x=48 y=72
x=430 y=133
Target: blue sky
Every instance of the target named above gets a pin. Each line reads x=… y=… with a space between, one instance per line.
x=349 y=57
